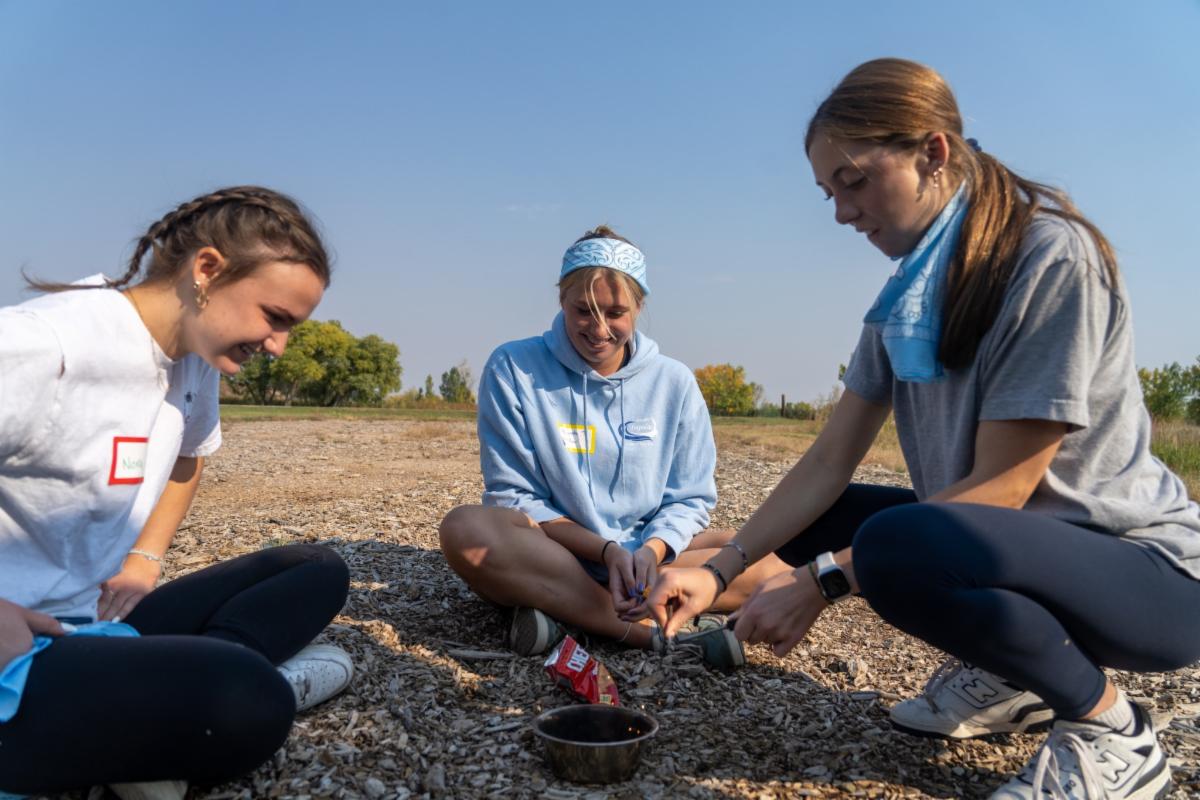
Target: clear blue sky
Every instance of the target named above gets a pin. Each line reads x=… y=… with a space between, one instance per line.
x=452 y=150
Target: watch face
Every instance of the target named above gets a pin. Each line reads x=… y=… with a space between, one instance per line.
x=835 y=584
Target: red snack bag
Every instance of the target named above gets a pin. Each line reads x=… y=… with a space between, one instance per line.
x=570 y=666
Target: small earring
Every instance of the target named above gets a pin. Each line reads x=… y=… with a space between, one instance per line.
x=936 y=177
x=201 y=294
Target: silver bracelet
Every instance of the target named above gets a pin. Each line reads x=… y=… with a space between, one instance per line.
x=741 y=551
x=145 y=554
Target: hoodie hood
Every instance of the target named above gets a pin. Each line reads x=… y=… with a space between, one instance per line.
x=642 y=351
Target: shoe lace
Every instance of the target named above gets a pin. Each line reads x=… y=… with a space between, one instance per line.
x=1062 y=754
x=945 y=671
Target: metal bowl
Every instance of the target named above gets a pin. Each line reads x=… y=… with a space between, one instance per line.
x=594 y=743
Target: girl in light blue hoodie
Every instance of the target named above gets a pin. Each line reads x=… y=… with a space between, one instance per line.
x=598 y=461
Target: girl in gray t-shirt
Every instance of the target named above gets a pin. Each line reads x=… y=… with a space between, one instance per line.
x=1041 y=541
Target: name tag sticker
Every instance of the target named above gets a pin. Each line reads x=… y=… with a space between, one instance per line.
x=128 y=460
x=578 y=438
x=639 y=430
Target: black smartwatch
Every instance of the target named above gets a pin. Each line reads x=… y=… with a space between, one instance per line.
x=832 y=582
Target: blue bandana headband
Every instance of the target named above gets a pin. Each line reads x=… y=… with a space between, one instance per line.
x=611 y=253
x=908 y=311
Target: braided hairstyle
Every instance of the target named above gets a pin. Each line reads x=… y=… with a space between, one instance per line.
x=897 y=103
x=249 y=225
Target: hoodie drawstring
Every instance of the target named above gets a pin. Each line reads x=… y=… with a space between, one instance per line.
x=621 y=439
x=588 y=440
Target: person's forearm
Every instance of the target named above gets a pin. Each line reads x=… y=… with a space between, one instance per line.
x=582 y=542
x=804 y=494
x=172 y=506
x=984 y=490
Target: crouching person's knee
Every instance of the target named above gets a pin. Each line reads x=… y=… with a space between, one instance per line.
x=882 y=548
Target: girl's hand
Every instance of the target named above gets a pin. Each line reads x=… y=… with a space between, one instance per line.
x=645 y=571
x=18 y=626
x=123 y=591
x=780 y=611
x=679 y=595
x=620 y=577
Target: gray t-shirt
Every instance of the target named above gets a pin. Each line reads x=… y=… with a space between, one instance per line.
x=1061 y=349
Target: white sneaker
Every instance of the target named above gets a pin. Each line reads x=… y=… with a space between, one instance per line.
x=533 y=632
x=150 y=790
x=317 y=673
x=961 y=702
x=1085 y=761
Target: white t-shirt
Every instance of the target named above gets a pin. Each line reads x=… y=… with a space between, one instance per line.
x=92 y=417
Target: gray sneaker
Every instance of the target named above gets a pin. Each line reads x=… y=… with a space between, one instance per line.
x=533 y=632
x=708 y=635
x=962 y=702
x=1085 y=761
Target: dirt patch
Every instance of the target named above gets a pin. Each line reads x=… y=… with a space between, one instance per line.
x=420 y=722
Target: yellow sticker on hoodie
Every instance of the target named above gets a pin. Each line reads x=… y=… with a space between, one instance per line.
x=578 y=438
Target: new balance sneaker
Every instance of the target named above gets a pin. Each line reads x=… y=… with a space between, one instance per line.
x=1085 y=761
x=150 y=790
x=533 y=632
x=317 y=673
x=961 y=702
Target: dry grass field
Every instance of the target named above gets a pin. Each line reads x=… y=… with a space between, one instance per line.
x=423 y=720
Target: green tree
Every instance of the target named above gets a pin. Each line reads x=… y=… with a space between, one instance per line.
x=323 y=364
x=726 y=391
x=429 y=387
x=253 y=381
x=374 y=370
x=1166 y=390
x=456 y=384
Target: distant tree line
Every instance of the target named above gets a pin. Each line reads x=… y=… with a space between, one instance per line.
x=1171 y=392
x=454 y=389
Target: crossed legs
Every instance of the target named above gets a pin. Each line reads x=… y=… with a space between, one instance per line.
x=506 y=558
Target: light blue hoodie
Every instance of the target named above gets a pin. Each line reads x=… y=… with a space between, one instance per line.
x=629 y=456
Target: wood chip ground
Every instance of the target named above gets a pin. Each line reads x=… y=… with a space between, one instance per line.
x=428 y=717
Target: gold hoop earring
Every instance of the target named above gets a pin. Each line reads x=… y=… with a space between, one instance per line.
x=201 y=294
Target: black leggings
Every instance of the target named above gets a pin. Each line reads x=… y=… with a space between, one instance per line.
x=197 y=697
x=1040 y=602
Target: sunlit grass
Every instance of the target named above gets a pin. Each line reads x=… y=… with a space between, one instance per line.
x=241 y=413
x=1178 y=445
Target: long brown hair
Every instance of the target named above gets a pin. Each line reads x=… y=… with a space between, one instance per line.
x=249 y=225
x=898 y=103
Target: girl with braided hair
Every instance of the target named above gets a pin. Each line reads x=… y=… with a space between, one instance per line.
x=108 y=406
x=1041 y=542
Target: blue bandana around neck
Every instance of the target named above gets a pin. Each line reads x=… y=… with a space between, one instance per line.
x=908 y=312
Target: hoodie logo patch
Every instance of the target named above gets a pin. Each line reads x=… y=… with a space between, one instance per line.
x=639 y=430
x=578 y=438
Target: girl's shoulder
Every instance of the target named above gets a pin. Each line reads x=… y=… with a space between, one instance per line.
x=1053 y=245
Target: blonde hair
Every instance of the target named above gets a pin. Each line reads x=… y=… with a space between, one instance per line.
x=587 y=276
x=897 y=103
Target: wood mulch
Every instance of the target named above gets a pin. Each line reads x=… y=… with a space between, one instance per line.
x=424 y=720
